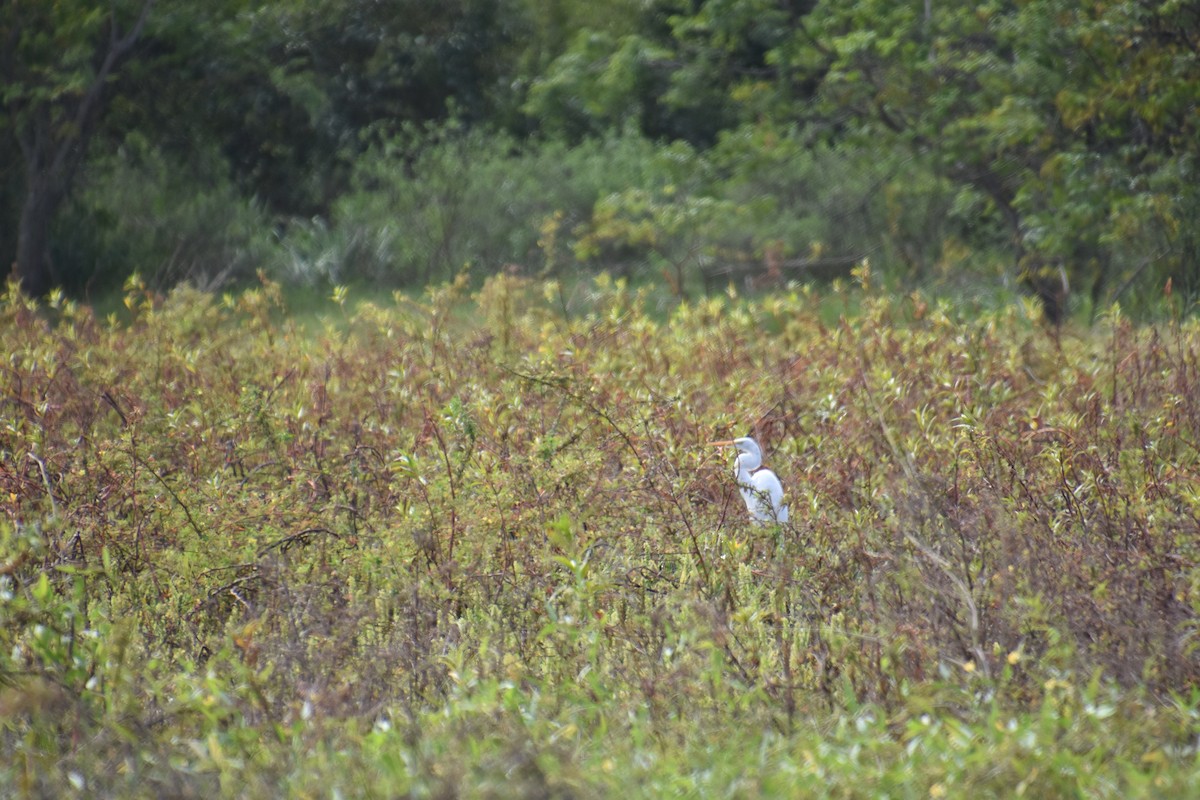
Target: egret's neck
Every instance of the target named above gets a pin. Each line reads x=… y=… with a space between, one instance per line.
x=745 y=464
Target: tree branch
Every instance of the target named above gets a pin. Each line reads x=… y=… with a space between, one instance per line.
x=90 y=102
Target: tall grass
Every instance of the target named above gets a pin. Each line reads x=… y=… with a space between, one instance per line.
x=465 y=544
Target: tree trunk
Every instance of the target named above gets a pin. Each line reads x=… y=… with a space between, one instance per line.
x=54 y=136
x=35 y=270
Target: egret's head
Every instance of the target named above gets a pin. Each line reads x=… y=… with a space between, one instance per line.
x=750 y=454
x=747 y=445
x=744 y=444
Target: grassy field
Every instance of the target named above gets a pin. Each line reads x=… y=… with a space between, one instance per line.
x=470 y=545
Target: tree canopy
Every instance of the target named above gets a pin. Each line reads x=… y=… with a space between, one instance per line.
x=1055 y=139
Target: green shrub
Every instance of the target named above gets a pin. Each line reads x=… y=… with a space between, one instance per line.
x=440 y=200
x=145 y=212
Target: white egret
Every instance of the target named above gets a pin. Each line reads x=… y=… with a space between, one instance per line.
x=760 y=488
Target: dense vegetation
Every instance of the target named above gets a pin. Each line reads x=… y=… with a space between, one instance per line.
x=1049 y=145
x=475 y=545
x=467 y=538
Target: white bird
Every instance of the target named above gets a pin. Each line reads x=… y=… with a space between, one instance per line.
x=760 y=488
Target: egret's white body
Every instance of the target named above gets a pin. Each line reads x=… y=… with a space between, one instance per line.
x=760 y=488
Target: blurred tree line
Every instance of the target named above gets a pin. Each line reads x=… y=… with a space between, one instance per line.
x=1045 y=143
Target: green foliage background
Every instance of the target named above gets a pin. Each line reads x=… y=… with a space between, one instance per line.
x=973 y=147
